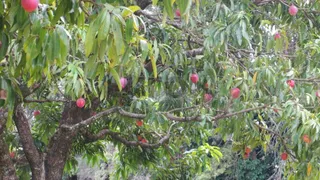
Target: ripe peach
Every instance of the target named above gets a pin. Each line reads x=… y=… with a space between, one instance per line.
x=206 y=85
x=293 y=10
x=207 y=97
x=248 y=150
x=235 y=93
x=194 y=78
x=29 y=5
x=277 y=36
x=284 y=156
x=81 y=102
x=123 y=82
x=318 y=93
x=36 y=113
x=178 y=13
x=139 y=123
x=291 y=83
x=3 y=94
x=306 y=139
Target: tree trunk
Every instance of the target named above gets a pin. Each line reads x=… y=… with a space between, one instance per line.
x=61 y=142
x=7 y=170
x=50 y=164
x=30 y=150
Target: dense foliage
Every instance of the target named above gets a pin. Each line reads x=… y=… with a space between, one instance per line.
x=156 y=78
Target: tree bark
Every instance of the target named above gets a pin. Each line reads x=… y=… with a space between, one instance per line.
x=30 y=150
x=7 y=170
x=61 y=142
x=48 y=165
x=143 y=3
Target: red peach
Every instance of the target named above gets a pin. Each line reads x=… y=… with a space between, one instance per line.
x=139 y=123
x=12 y=154
x=293 y=10
x=194 y=78
x=291 y=83
x=277 y=36
x=284 y=156
x=318 y=93
x=29 y=5
x=248 y=150
x=207 y=97
x=36 y=113
x=123 y=82
x=139 y=137
x=235 y=93
x=3 y=94
x=306 y=139
x=81 y=102
x=178 y=13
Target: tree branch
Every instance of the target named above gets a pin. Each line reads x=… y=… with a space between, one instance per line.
x=166 y=114
x=308 y=80
x=143 y=3
x=91 y=119
x=83 y=9
x=223 y=116
x=117 y=136
x=30 y=150
x=262 y=2
x=280 y=137
x=194 y=52
x=28 y=91
x=156 y=19
x=43 y=101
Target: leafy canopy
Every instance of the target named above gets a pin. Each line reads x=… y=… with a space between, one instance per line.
x=72 y=49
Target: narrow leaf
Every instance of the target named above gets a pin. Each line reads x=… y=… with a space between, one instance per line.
x=116 y=77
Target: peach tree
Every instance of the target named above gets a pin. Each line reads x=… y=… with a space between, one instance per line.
x=154 y=76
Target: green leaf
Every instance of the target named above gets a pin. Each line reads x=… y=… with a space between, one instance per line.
x=116 y=77
x=129 y=29
x=113 y=57
x=118 y=39
x=90 y=37
x=30 y=48
x=91 y=67
x=5 y=44
x=239 y=36
x=155 y=2
x=95 y=25
x=154 y=66
x=168 y=8
x=130 y=10
x=184 y=5
x=125 y=57
x=59 y=12
x=64 y=37
x=104 y=28
x=1 y=8
x=144 y=48
x=53 y=47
